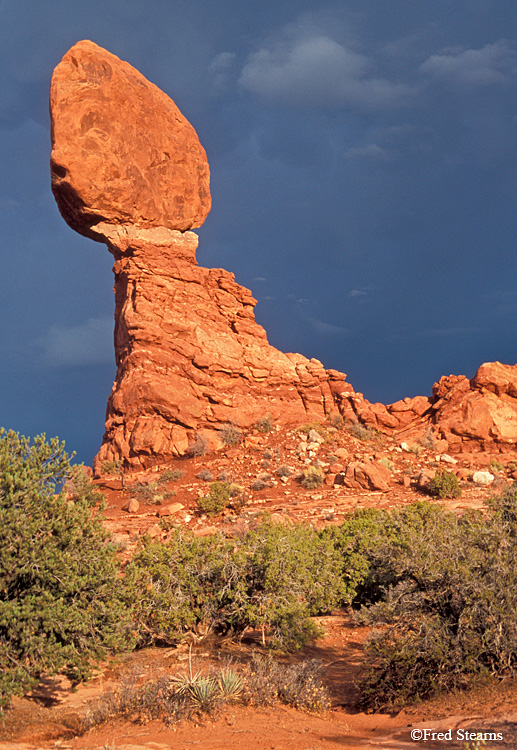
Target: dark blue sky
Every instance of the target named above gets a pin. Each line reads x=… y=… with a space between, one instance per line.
x=364 y=167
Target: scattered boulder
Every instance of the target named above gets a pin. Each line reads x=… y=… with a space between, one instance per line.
x=423 y=479
x=446 y=458
x=131 y=506
x=175 y=507
x=483 y=477
x=367 y=475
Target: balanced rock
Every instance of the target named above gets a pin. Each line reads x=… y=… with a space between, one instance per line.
x=128 y=170
x=122 y=152
x=191 y=356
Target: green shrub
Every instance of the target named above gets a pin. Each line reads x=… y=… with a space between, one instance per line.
x=496 y=467
x=274 y=579
x=365 y=541
x=450 y=613
x=60 y=600
x=289 y=575
x=444 y=484
x=504 y=509
x=217 y=500
x=173 y=586
x=111 y=467
x=79 y=486
x=312 y=477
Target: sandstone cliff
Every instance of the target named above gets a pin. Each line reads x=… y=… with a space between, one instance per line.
x=128 y=170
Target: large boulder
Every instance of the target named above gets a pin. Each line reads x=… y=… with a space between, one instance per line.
x=122 y=152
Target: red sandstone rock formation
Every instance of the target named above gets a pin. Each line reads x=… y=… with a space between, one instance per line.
x=478 y=414
x=128 y=170
x=191 y=357
x=189 y=353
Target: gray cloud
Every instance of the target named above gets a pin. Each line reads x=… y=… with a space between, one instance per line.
x=316 y=323
x=222 y=62
x=90 y=343
x=316 y=71
x=493 y=64
x=220 y=68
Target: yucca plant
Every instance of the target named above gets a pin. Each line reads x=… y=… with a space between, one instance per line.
x=199 y=689
x=204 y=692
x=230 y=684
x=182 y=683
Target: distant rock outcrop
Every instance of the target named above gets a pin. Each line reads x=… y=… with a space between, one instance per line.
x=477 y=414
x=128 y=170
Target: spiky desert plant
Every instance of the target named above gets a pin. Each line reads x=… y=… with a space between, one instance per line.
x=230 y=684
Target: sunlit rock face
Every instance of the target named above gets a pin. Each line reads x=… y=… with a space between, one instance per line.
x=128 y=170
x=122 y=152
x=478 y=414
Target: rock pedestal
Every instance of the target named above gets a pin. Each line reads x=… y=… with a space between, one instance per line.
x=190 y=356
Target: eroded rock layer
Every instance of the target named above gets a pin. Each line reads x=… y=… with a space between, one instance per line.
x=128 y=170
